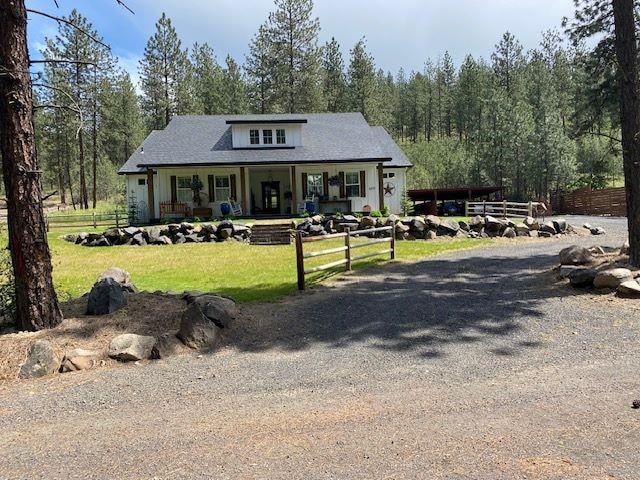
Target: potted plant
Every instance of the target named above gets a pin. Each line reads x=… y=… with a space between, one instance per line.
x=196 y=186
x=334 y=181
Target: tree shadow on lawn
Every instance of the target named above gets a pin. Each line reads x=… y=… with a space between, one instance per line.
x=418 y=307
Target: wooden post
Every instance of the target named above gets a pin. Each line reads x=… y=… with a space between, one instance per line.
x=504 y=209
x=347 y=252
x=94 y=220
x=243 y=192
x=294 y=187
x=150 y=195
x=380 y=187
x=117 y=220
x=393 y=243
x=299 y=260
x=466 y=208
x=484 y=208
x=530 y=209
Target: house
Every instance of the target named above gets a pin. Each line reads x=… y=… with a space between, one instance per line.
x=269 y=165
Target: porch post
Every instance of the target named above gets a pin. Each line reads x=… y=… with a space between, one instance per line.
x=294 y=184
x=380 y=187
x=243 y=192
x=150 y=195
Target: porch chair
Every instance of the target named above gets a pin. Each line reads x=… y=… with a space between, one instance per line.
x=236 y=208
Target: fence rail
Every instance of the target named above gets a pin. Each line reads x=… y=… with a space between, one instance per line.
x=347 y=248
x=504 y=208
x=107 y=219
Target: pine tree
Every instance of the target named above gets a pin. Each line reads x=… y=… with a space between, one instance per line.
x=207 y=79
x=164 y=71
x=361 y=79
x=234 y=98
x=260 y=67
x=334 y=80
x=293 y=35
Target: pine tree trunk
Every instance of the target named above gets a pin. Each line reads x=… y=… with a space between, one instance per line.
x=36 y=301
x=94 y=163
x=627 y=55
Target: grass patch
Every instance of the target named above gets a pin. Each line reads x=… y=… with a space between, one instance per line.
x=245 y=272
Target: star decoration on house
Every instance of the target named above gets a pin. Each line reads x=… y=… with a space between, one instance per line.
x=389 y=188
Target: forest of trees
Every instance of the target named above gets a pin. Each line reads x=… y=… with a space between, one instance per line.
x=535 y=122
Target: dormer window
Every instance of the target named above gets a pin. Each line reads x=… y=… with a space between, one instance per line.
x=281 y=138
x=267 y=137
x=254 y=137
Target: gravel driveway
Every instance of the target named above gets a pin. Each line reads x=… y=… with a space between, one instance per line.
x=470 y=365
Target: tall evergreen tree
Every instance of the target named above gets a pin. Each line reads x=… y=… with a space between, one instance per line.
x=361 y=78
x=234 y=97
x=207 y=79
x=260 y=67
x=334 y=81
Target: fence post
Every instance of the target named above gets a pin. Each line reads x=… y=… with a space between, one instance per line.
x=530 y=209
x=504 y=209
x=393 y=243
x=94 y=220
x=347 y=252
x=484 y=208
x=466 y=208
x=117 y=220
x=299 y=260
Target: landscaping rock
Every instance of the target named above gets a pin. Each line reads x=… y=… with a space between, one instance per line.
x=624 y=249
x=79 y=359
x=138 y=239
x=431 y=235
x=196 y=330
x=630 y=288
x=106 y=296
x=130 y=347
x=548 y=227
x=220 y=310
x=433 y=221
x=566 y=270
x=464 y=225
x=509 y=232
x=534 y=233
x=348 y=219
x=41 y=361
x=100 y=241
x=476 y=222
x=119 y=275
x=223 y=233
x=612 y=278
x=449 y=227
x=492 y=224
x=582 y=277
x=560 y=224
x=532 y=223
x=522 y=230
x=367 y=222
x=316 y=219
x=575 y=255
x=391 y=220
x=598 y=231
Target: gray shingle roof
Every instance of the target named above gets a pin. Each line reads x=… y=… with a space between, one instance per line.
x=206 y=140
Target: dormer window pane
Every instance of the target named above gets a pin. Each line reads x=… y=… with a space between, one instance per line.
x=281 y=138
x=267 y=137
x=254 y=137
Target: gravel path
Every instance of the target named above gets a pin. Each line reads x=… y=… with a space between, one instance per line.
x=470 y=365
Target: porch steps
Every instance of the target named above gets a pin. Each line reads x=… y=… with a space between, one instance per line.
x=271 y=234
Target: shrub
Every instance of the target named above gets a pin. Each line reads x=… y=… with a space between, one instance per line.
x=7 y=285
x=376 y=214
x=386 y=211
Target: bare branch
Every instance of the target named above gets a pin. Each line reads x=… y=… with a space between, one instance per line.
x=62 y=20
x=120 y=2
x=77 y=109
x=56 y=2
x=61 y=60
x=610 y=137
x=61 y=107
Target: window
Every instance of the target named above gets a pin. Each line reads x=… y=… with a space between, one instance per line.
x=222 y=190
x=352 y=184
x=281 y=138
x=254 y=137
x=142 y=181
x=314 y=185
x=183 y=190
x=267 y=137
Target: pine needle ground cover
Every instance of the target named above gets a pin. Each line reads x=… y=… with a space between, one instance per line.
x=244 y=272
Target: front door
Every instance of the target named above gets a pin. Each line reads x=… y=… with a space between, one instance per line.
x=271 y=197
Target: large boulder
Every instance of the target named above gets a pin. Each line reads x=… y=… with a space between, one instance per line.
x=316 y=219
x=509 y=233
x=130 y=347
x=548 y=227
x=106 y=296
x=612 y=278
x=79 y=359
x=477 y=222
x=391 y=220
x=575 y=255
x=223 y=233
x=196 y=330
x=349 y=219
x=220 y=310
x=433 y=222
x=41 y=361
x=624 y=249
x=367 y=222
x=598 y=231
x=582 y=277
x=522 y=230
x=418 y=225
x=493 y=225
x=560 y=224
x=431 y=235
x=532 y=223
x=449 y=227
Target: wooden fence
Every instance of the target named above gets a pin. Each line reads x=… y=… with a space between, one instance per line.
x=95 y=220
x=609 y=201
x=505 y=209
x=347 y=249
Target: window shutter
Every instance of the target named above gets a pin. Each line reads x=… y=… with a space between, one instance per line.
x=343 y=193
x=174 y=189
x=305 y=186
x=325 y=183
x=212 y=191
x=363 y=184
x=232 y=185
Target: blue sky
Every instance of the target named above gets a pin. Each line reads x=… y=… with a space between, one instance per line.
x=400 y=33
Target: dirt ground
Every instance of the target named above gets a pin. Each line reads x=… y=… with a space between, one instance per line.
x=470 y=365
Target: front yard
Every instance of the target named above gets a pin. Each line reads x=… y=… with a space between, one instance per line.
x=245 y=272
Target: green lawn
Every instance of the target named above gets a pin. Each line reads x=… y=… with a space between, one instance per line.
x=244 y=272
